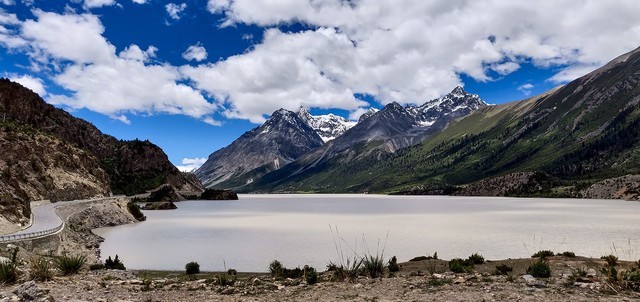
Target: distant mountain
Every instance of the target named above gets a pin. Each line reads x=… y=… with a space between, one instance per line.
x=328 y=126
x=565 y=140
x=48 y=154
x=385 y=131
x=280 y=140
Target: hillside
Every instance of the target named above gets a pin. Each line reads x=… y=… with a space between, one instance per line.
x=49 y=154
x=581 y=133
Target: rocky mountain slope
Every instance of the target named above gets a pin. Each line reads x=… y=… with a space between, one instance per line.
x=47 y=153
x=377 y=134
x=279 y=141
x=581 y=133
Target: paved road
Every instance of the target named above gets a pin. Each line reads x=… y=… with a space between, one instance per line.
x=45 y=218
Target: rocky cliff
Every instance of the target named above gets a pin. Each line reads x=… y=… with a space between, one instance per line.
x=49 y=154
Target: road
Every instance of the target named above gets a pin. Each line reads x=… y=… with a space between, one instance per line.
x=46 y=220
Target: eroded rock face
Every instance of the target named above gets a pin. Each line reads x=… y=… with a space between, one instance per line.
x=513 y=184
x=46 y=153
x=624 y=187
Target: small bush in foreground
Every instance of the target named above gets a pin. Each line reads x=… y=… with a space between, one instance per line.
x=41 y=269
x=393 y=264
x=134 y=209
x=569 y=254
x=503 y=269
x=458 y=265
x=8 y=272
x=373 y=265
x=543 y=254
x=96 y=266
x=192 y=268
x=310 y=275
x=631 y=279
x=539 y=269
x=611 y=260
x=275 y=269
x=114 y=263
x=351 y=270
x=69 y=265
x=476 y=258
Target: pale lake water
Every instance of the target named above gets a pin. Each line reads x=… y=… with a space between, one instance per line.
x=249 y=233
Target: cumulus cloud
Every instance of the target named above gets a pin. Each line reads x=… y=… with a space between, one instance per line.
x=35 y=84
x=526 y=89
x=381 y=48
x=7 y=2
x=190 y=164
x=98 y=3
x=175 y=10
x=139 y=1
x=101 y=80
x=195 y=53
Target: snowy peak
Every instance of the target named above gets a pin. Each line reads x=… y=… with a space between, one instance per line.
x=328 y=126
x=457 y=103
x=371 y=111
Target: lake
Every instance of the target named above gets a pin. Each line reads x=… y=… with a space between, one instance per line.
x=249 y=233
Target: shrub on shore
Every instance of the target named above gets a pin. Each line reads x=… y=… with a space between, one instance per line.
x=503 y=269
x=192 y=268
x=8 y=269
x=69 y=265
x=393 y=265
x=458 y=265
x=373 y=265
x=134 y=209
x=611 y=260
x=543 y=254
x=539 y=269
x=114 y=263
x=569 y=254
x=476 y=258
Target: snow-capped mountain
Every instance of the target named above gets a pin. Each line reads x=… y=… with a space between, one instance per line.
x=328 y=126
x=371 y=111
x=457 y=103
x=277 y=142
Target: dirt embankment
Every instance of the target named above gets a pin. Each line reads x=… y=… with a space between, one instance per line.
x=626 y=187
x=80 y=219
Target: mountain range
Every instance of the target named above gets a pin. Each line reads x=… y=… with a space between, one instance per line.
x=565 y=142
x=289 y=137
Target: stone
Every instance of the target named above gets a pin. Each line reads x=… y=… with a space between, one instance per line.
x=29 y=291
x=529 y=278
x=592 y=273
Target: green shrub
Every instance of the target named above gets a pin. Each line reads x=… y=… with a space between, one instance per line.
x=275 y=269
x=350 y=271
x=539 y=269
x=8 y=272
x=310 y=275
x=569 y=254
x=114 y=263
x=69 y=265
x=476 y=258
x=543 y=254
x=192 y=268
x=458 y=265
x=611 y=260
x=41 y=269
x=226 y=279
x=503 y=269
x=373 y=265
x=393 y=264
x=631 y=279
x=96 y=266
x=421 y=258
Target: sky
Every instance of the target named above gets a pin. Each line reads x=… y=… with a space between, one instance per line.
x=193 y=75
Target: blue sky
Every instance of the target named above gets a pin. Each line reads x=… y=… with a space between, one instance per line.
x=191 y=76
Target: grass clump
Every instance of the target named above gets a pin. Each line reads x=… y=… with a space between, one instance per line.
x=543 y=254
x=192 y=268
x=393 y=264
x=275 y=269
x=310 y=275
x=568 y=254
x=503 y=269
x=476 y=258
x=539 y=269
x=9 y=269
x=227 y=279
x=458 y=265
x=41 y=269
x=611 y=260
x=69 y=265
x=114 y=263
x=373 y=265
x=96 y=266
x=350 y=270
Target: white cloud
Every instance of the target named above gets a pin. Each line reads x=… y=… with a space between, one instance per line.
x=33 y=83
x=102 y=81
x=384 y=49
x=195 y=53
x=526 y=89
x=139 y=1
x=211 y=121
x=175 y=10
x=8 y=2
x=190 y=164
x=98 y=3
